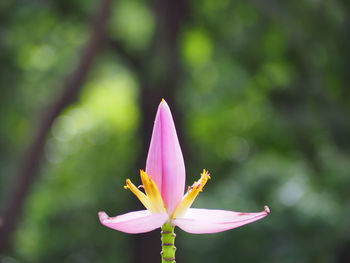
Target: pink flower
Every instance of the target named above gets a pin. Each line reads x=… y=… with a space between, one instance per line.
x=163 y=196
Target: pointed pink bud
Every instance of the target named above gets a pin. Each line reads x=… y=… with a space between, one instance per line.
x=165 y=164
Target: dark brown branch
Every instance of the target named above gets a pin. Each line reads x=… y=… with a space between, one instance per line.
x=28 y=165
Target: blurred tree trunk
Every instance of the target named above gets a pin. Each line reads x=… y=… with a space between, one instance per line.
x=28 y=165
x=159 y=79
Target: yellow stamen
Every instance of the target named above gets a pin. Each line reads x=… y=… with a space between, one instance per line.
x=141 y=196
x=191 y=194
x=152 y=200
x=152 y=192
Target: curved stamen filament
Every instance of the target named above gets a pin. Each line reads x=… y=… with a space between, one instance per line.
x=141 y=196
x=152 y=200
x=191 y=194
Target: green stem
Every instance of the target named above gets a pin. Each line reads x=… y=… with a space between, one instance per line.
x=168 y=243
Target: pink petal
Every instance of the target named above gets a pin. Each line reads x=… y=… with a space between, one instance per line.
x=134 y=222
x=165 y=164
x=203 y=221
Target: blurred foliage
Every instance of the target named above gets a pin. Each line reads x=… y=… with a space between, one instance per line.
x=264 y=103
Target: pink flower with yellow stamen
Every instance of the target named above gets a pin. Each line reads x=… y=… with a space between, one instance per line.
x=163 y=196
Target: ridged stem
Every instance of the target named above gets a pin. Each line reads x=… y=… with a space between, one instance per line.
x=168 y=243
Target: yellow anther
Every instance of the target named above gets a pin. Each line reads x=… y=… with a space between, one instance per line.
x=203 y=180
x=191 y=194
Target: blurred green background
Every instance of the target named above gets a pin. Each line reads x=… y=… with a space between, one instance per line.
x=260 y=95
